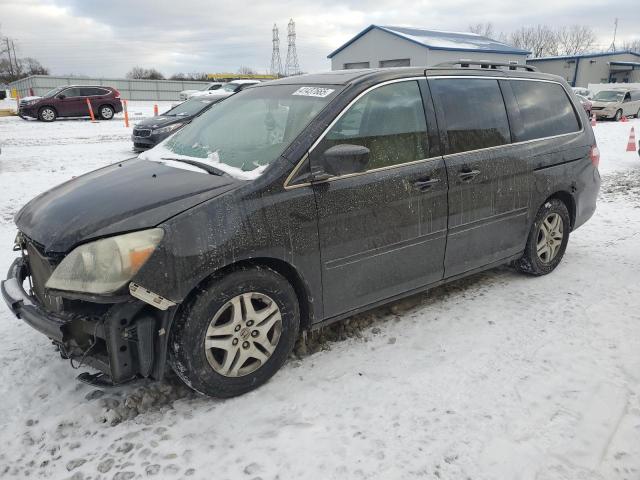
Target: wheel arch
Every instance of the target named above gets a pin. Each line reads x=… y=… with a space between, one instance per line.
x=41 y=107
x=288 y=271
x=570 y=202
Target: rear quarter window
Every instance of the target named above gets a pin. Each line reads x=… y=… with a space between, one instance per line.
x=474 y=113
x=545 y=110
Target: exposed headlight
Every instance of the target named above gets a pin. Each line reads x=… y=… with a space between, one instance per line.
x=31 y=102
x=169 y=128
x=105 y=265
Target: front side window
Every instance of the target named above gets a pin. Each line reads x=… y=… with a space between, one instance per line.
x=545 y=109
x=474 y=112
x=71 y=92
x=389 y=121
x=251 y=129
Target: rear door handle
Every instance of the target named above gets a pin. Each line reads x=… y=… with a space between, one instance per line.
x=426 y=184
x=468 y=175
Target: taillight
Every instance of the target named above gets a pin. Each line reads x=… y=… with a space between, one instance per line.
x=116 y=93
x=594 y=155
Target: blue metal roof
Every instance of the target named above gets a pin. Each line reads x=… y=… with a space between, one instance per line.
x=583 y=55
x=440 y=40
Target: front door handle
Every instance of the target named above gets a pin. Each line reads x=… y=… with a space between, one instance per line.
x=468 y=175
x=426 y=184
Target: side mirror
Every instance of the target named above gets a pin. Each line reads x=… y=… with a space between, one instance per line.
x=340 y=160
x=62 y=96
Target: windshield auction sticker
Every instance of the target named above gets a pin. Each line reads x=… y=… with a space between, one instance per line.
x=313 y=92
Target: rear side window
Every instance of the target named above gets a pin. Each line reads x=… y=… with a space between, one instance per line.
x=474 y=112
x=93 y=91
x=545 y=109
x=389 y=121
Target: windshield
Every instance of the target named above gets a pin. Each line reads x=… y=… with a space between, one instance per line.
x=188 y=108
x=230 y=87
x=248 y=131
x=53 y=92
x=609 y=96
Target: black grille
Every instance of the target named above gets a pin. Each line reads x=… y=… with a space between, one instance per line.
x=141 y=132
x=41 y=268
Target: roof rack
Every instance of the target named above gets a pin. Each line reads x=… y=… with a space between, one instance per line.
x=486 y=64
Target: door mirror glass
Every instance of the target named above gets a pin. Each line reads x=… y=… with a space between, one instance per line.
x=339 y=160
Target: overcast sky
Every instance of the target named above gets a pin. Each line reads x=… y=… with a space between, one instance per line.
x=108 y=37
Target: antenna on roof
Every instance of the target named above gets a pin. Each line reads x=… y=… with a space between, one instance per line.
x=612 y=48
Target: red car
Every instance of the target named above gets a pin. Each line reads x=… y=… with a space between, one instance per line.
x=71 y=101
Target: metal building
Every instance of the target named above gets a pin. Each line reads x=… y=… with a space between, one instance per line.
x=386 y=46
x=581 y=70
x=129 y=89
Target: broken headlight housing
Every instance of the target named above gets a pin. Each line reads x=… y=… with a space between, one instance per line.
x=105 y=265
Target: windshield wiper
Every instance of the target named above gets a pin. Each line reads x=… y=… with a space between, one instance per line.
x=204 y=166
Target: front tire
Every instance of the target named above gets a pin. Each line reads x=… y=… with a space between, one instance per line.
x=106 y=112
x=236 y=332
x=618 y=116
x=547 y=239
x=47 y=114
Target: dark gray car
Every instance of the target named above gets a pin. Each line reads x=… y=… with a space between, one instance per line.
x=151 y=131
x=297 y=203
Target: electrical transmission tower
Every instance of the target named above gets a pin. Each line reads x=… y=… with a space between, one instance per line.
x=612 y=48
x=276 y=62
x=292 y=67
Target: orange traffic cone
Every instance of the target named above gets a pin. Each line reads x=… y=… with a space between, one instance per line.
x=624 y=119
x=631 y=144
x=155 y=109
x=593 y=120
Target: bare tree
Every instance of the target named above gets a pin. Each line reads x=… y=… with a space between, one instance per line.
x=484 y=29
x=574 y=39
x=246 y=71
x=540 y=40
x=145 y=74
x=631 y=45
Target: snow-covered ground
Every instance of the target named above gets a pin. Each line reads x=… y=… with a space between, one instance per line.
x=498 y=376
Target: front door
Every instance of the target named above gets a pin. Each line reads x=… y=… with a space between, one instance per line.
x=73 y=104
x=382 y=231
x=489 y=184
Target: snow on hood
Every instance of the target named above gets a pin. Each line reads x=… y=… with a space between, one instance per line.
x=162 y=154
x=33 y=97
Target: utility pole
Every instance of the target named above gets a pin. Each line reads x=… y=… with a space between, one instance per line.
x=9 y=55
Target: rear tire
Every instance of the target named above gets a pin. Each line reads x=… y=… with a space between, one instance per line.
x=235 y=333
x=547 y=239
x=105 y=112
x=47 y=114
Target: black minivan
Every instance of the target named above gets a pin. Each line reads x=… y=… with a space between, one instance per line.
x=297 y=203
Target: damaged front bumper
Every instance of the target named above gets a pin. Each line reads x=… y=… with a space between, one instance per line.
x=124 y=340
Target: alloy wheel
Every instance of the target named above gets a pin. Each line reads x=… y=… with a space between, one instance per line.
x=243 y=334
x=550 y=235
x=106 y=113
x=48 y=114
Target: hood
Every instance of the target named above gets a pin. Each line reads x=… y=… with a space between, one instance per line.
x=598 y=103
x=162 y=121
x=28 y=99
x=132 y=195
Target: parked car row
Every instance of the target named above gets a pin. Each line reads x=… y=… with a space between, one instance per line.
x=297 y=203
